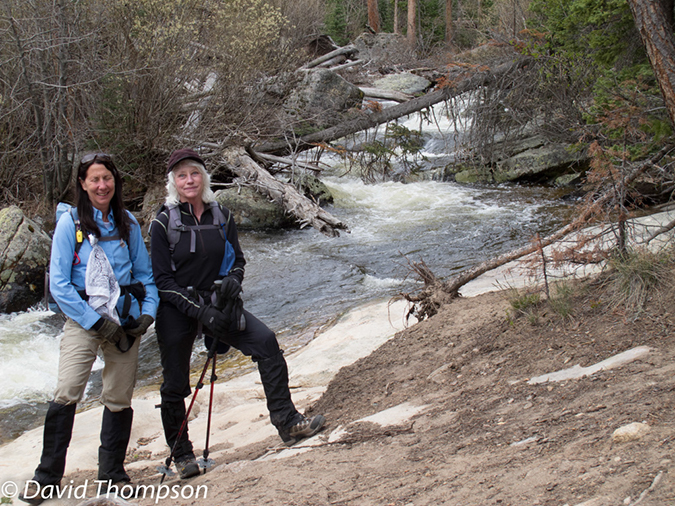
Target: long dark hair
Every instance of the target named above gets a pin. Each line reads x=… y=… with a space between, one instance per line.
x=85 y=210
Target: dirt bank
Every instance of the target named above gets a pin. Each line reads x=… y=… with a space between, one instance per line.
x=482 y=434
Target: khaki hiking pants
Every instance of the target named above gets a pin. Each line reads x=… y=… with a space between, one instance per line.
x=79 y=349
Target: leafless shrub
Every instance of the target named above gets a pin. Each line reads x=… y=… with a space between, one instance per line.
x=547 y=97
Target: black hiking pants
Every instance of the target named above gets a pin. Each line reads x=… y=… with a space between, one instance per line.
x=176 y=335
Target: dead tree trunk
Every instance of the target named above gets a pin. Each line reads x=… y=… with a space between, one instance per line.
x=347 y=51
x=654 y=23
x=412 y=22
x=366 y=121
x=373 y=16
x=448 y=21
x=295 y=203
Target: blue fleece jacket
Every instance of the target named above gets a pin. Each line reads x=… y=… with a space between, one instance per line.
x=131 y=263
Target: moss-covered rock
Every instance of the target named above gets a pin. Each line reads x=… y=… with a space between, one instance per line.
x=252 y=211
x=539 y=164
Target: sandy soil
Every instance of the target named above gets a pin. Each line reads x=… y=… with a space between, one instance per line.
x=478 y=433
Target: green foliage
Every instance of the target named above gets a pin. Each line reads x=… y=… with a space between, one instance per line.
x=561 y=299
x=399 y=146
x=523 y=303
x=603 y=29
x=622 y=114
x=431 y=21
x=336 y=22
x=345 y=19
x=630 y=109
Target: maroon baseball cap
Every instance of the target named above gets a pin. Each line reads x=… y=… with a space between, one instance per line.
x=180 y=155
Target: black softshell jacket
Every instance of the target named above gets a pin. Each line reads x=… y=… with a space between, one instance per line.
x=199 y=269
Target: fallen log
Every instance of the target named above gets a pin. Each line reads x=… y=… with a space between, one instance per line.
x=347 y=50
x=436 y=292
x=294 y=202
x=397 y=96
x=369 y=120
x=333 y=61
x=452 y=286
x=289 y=161
x=347 y=65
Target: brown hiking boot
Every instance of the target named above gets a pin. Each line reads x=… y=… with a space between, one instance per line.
x=302 y=428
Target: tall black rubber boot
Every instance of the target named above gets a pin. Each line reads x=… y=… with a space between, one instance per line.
x=57 y=433
x=173 y=414
x=115 y=434
x=274 y=376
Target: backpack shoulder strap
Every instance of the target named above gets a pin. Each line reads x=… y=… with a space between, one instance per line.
x=174 y=229
x=219 y=218
x=79 y=235
x=175 y=226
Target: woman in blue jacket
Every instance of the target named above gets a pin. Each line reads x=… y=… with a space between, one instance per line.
x=100 y=220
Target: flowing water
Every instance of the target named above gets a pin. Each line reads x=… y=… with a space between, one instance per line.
x=298 y=281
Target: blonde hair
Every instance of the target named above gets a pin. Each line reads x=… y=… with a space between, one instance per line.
x=172 y=196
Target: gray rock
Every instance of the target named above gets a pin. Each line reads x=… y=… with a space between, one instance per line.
x=631 y=432
x=315 y=189
x=322 y=98
x=384 y=48
x=405 y=83
x=24 y=255
x=152 y=202
x=546 y=162
x=530 y=159
x=252 y=211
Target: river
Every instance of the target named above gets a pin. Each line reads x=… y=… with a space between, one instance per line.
x=299 y=281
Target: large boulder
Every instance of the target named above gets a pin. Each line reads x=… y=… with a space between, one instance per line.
x=24 y=257
x=529 y=159
x=152 y=202
x=404 y=82
x=321 y=99
x=544 y=163
x=384 y=49
x=252 y=211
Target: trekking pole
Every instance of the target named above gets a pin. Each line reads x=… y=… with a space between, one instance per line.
x=207 y=461
x=183 y=426
x=218 y=304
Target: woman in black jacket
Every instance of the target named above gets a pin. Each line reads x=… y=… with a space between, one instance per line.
x=193 y=244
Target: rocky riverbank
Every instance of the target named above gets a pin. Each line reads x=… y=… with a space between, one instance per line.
x=444 y=413
x=462 y=408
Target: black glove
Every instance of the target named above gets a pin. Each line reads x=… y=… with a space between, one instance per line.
x=230 y=288
x=138 y=327
x=109 y=331
x=234 y=310
x=216 y=321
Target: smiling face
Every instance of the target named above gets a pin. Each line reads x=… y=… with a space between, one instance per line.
x=189 y=183
x=99 y=184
